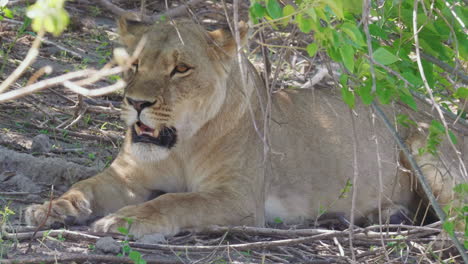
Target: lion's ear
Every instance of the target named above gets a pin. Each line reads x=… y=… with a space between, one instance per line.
x=131 y=29
x=225 y=40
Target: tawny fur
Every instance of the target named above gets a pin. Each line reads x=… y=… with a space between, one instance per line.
x=217 y=172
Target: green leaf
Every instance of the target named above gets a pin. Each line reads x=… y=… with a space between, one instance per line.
x=407 y=98
x=385 y=92
x=449 y=227
x=347 y=95
x=49 y=15
x=365 y=92
x=353 y=32
x=257 y=10
x=461 y=92
x=311 y=13
x=312 y=49
x=278 y=220
x=8 y=13
x=436 y=127
x=274 y=9
x=352 y=6
x=405 y=121
x=461 y=188
x=304 y=23
x=288 y=10
x=429 y=72
x=413 y=79
x=347 y=55
x=375 y=30
x=336 y=6
x=453 y=138
x=135 y=256
x=122 y=230
x=383 y=56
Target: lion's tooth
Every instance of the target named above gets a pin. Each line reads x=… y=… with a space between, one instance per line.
x=138 y=130
x=156 y=133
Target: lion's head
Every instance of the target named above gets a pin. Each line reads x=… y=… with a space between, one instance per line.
x=178 y=82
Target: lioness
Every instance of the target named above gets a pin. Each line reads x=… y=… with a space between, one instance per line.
x=196 y=131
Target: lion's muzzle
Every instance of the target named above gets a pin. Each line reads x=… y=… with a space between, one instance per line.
x=166 y=137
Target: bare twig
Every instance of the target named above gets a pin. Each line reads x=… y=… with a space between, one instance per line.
x=419 y=95
x=417 y=170
x=445 y=67
x=355 y=179
x=78 y=236
x=28 y=60
x=44 y=70
x=365 y=20
x=14 y=193
x=379 y=166
x=178 y=11
x=73 y=257
x=42 y=224
x=113 y=8
x=431 y=95
x=96 y=92
x=43 y=85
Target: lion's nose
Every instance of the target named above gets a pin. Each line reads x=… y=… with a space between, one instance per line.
x=138 y=105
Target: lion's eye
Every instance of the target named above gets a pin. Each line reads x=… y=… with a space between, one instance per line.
x=180 y=68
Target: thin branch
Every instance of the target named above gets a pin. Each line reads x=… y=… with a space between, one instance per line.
x=73 y=257
x=175 y=12
x=178 y=11
x=92 y=75
x=431 y=95
x=366 y=5
x=422 y=180
x=379 y=167
x=419 y=95
x=28 y=60
x=43 y=85
x=445 y=67
x=44 y=221
x=95 y=92
x=355 y=179
x=113 y=8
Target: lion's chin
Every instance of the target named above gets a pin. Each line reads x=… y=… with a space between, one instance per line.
x=148 y=152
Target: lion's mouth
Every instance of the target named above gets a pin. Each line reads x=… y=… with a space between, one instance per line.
x=165 y=137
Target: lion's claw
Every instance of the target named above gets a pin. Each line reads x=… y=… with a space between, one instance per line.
x=63 y=211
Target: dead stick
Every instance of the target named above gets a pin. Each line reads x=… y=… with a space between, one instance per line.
x=70 y=257
x=43 y=221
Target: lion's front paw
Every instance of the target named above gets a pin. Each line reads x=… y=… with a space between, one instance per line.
x=137 y=221
x=65 y=210
x=111 y=223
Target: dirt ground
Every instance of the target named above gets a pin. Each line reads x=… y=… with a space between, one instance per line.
x=51 y=139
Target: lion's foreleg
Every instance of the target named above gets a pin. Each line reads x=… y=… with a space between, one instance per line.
x=99 y=195
x=170 y=213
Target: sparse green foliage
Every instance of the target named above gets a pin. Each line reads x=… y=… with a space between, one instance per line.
x=458 y=213
x=346 y=189
x=339 y=32
x=126 y=249
x=5 y=213
x=91 y=156
x=49 y=15
x=4 y=11
x=278 y=220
